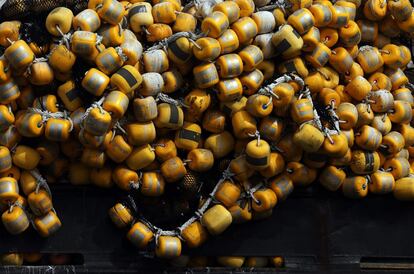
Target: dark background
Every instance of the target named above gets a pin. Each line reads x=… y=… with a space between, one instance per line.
x=312 y=229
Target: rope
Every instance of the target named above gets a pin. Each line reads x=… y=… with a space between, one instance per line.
x=36 y=60
x=31 y=220
x=257 y=135
x=59 y=30
x=187 y=223
x=317 y=120
x=96 y=104
x=41 y=182
x=204 y=5
x=46 y=115
x=165 y=42
x=9 y=40
x=167 y=99
x=271 y=7
x=29 y=215
x=158 y=145
x=280 y=4
x=188 y=6
x=268 y=90
x=121 y=54
x=297 y=79
x=410 y=86
x=40 y=59
x=66 y=38
x=365 y=48
x=250 y=192
x=274 y=147
x=99 y=39
x=158 y=231
x=117 y=126
x=367 y=102
x=368 y=178
x=227 y=174
x=384 y=117
x=270 y=102
x=144 y=29
x=147 y=223
x=16 y=203
x=67 y=117
x=334 y=117
x=136 y=185
x=168 y=233
x=132 y=205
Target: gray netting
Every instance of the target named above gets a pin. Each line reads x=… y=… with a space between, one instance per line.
x=17 y=9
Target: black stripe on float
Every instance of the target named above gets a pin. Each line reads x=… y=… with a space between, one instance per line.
x=323 y=58
x=73 y=94
x=127 y=76
x=327 y=17
x=177 y=51
x=189 y=135
x=137 y=9
x=296 y=33
x=256 y=161
x=282 y=46
x=341 y=21
x=173 y=114
x=369 y=162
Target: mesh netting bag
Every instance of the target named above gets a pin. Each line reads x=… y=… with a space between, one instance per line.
x=17 y=9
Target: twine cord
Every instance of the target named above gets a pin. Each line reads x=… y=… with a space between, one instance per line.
x=227 y=175
x=163 y=44
x=117 y=126
x=256 y=135
x=334 y=117
x=46 y=115
x=167 y=99
x=96 y=104
x=305 y=92
x=36 y=60
x=251 y=191
x=410 y=86
x=65 y=38
x=365 y=48
x=121 y=54
x=274 y=147
x=279 y=4
x=41 y=182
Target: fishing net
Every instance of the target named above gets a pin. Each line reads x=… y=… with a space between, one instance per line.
x=18 y=9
